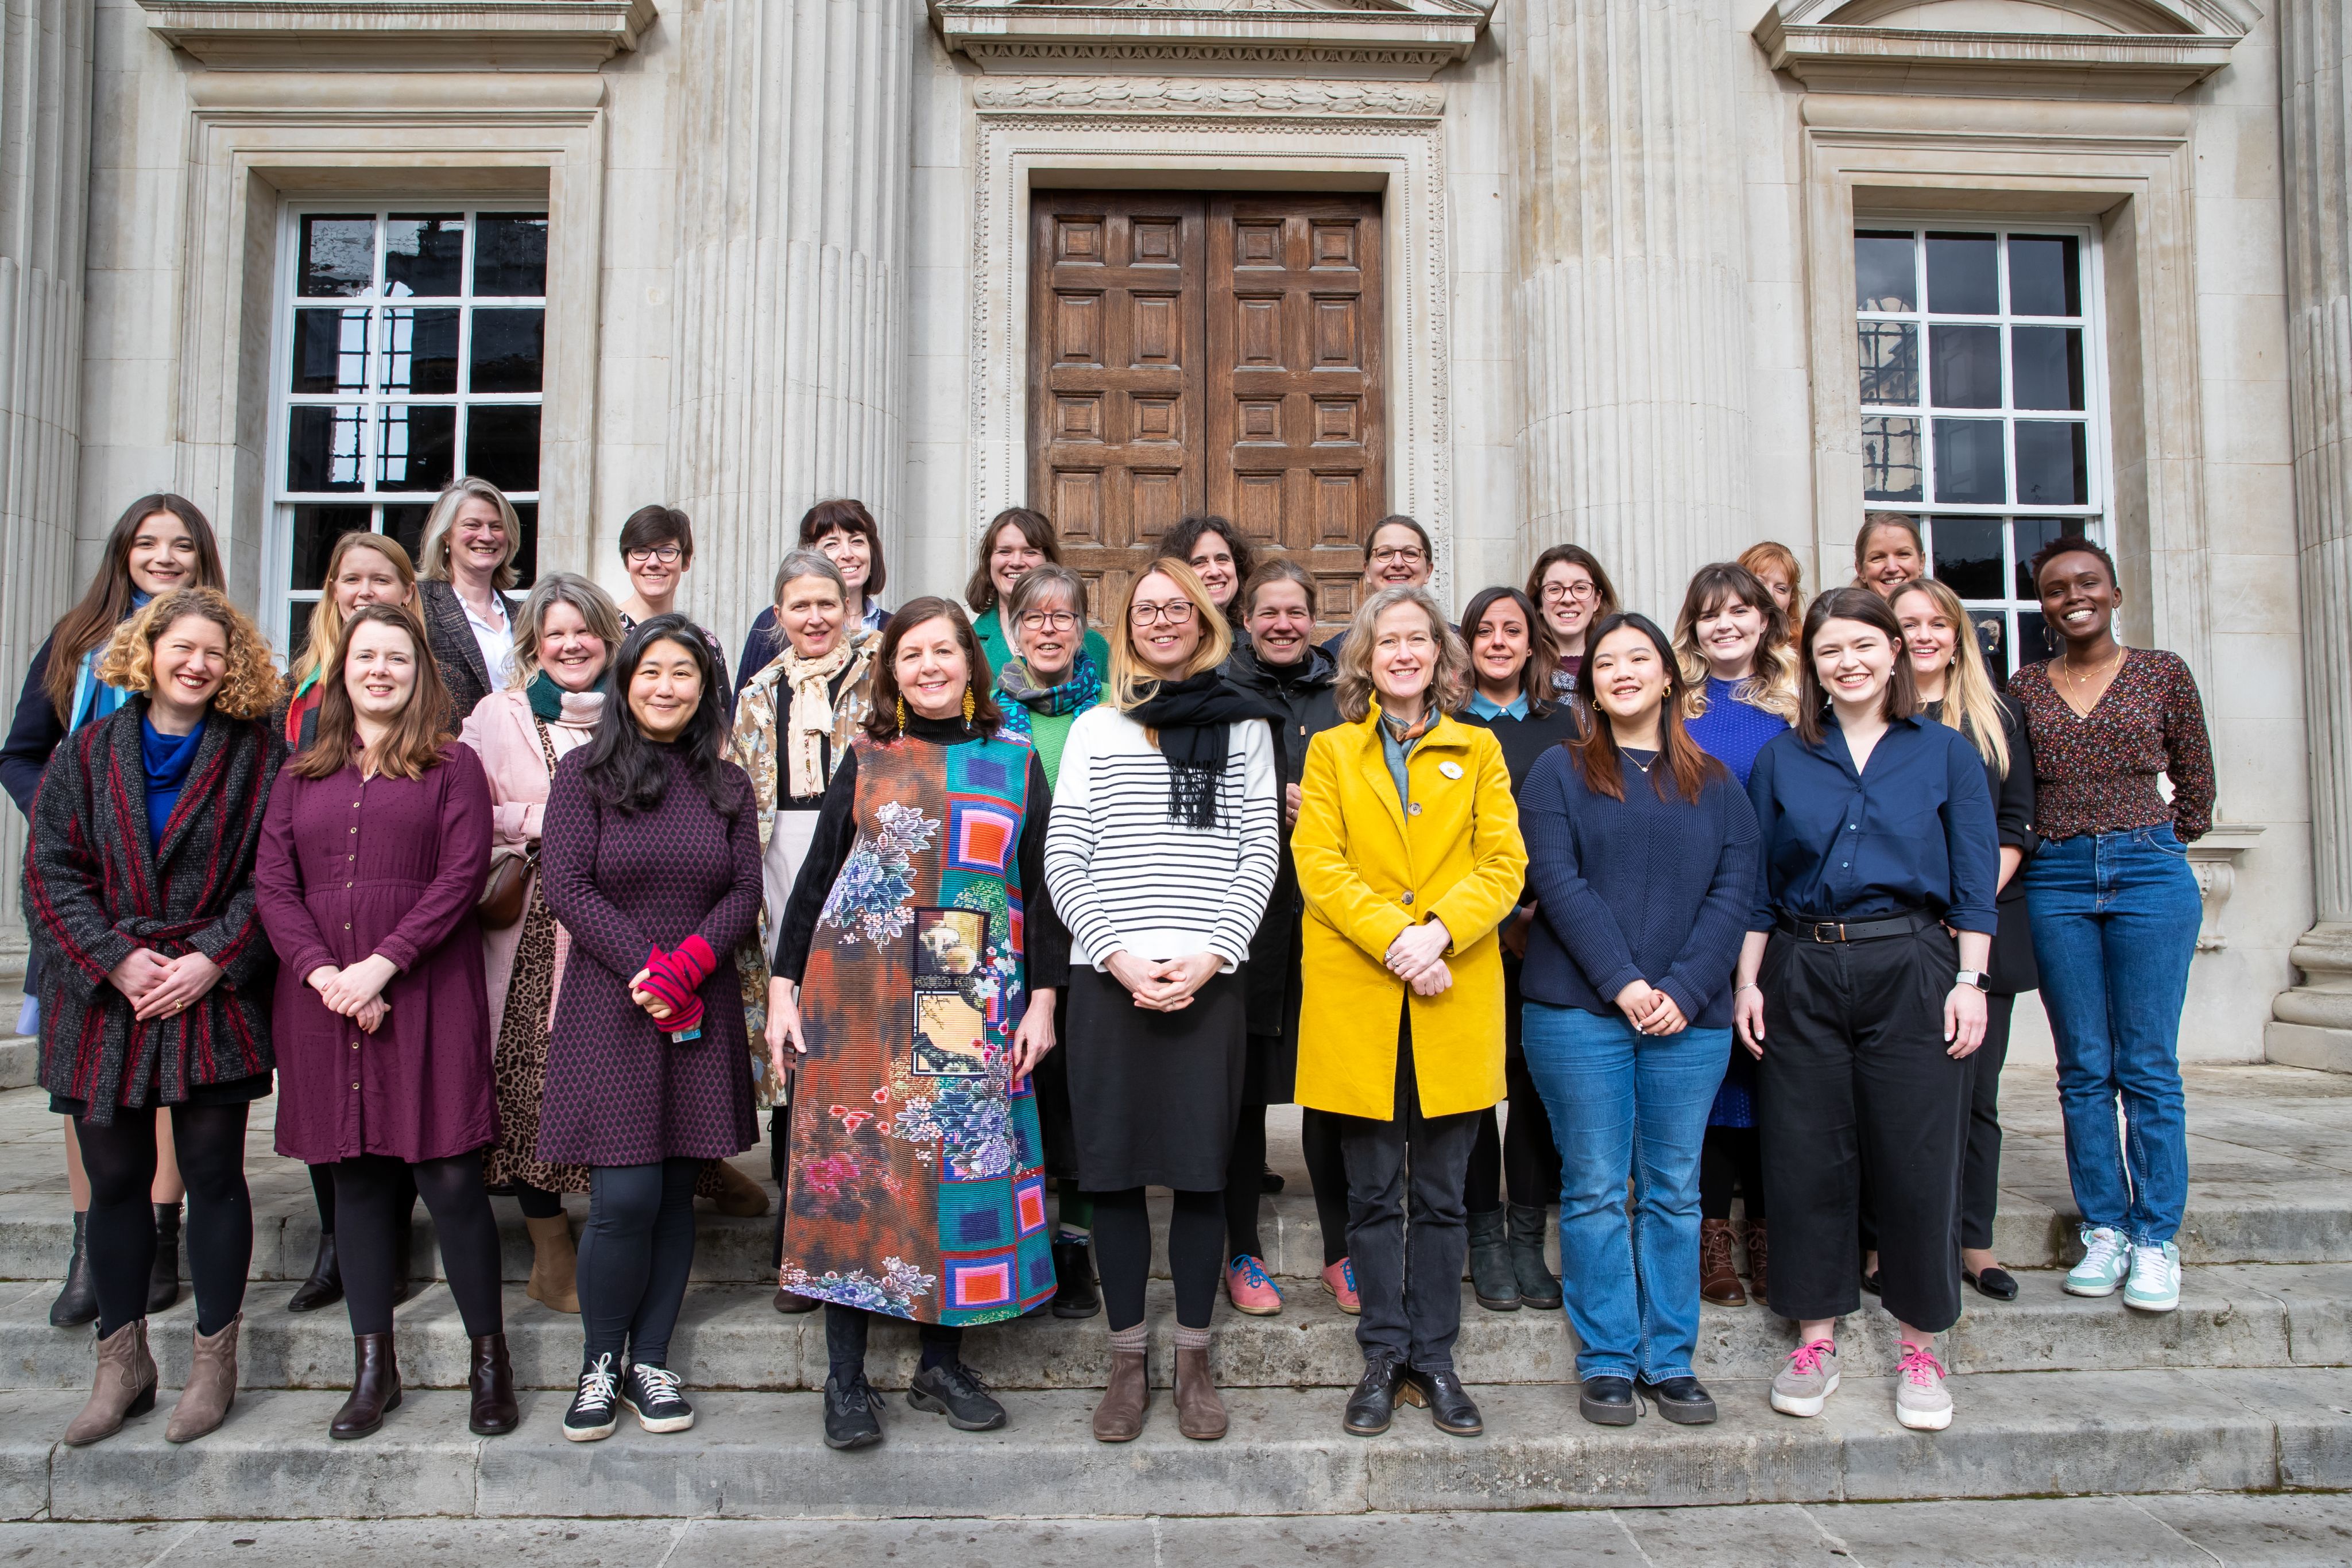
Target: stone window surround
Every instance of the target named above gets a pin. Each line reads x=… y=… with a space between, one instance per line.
x=1232 y=136
x=259 y=139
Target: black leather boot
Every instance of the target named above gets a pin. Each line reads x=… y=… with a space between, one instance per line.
x=324 y=1288
x=1537 y=1288
x=375 y=1387
x=163 y=1282
x=76 y=1303
x=493 y=1411
x=1491 y=1277
x=1073 y=1280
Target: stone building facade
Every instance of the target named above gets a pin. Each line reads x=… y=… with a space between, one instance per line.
x=1659 y=277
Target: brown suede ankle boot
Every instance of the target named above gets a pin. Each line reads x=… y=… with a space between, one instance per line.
x=554 y=1264
x=1200 y=1410
x=212 y=1385
x=124 y=1387
x=1128 y=1400
x=1719 y=1280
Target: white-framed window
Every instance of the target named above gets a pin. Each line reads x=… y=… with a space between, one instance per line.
x=409 y=348
x=1983 y=409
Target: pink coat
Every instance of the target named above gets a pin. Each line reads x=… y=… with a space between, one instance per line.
x=502 y=734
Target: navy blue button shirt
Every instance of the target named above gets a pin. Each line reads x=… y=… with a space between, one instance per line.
x=1913 y=830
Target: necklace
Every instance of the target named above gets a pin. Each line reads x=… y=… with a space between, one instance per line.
x=1637 y=762
x=2079 y=681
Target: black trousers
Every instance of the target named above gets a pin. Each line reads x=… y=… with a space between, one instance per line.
x=1731 y=1159
x=1327 y=1169
x=119 y=1159
x=1408 y=1230
x=1519 y=1159
x=1855 y=1083
x=373 y=1195
x=634 y=1255
x=1981 y=1165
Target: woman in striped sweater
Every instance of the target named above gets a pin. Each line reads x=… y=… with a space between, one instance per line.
x=1161 y=851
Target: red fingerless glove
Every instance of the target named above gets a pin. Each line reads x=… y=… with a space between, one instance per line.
x=673 y=978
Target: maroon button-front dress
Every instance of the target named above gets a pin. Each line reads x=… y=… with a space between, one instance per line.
x=350 y=867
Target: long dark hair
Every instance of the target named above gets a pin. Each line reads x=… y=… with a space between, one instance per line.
x=107 y=599
x=882 y=713
x=627 y=771
x=412 y=746
x=1535 y=676
x=1596 y=753
x=1863 y=604
x=1179 y=540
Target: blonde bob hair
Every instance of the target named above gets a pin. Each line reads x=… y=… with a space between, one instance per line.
x=1132 y=681
x=595 y=606
x=1971 y=704
x=249 y=687
x=443 y=517
x=326 y=620
x=1449 y=684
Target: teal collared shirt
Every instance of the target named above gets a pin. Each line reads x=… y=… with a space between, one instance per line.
x=1486 y=706
x=1396 y=751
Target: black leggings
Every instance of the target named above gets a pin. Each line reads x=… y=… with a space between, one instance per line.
x=635 y=1256
x=1327 y=1171
x=119 y=1160
x=845 y=1342
x=1730 y=1158
x=323 y=1193
x=373 y=1194
x=1123 y=1254
x=1244 y=1181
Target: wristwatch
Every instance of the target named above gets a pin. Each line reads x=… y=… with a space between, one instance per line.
x=1971 y=977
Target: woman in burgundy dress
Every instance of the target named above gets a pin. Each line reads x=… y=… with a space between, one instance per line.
x=649 y=856
x=373 y=855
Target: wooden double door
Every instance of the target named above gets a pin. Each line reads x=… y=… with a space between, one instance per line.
x=1206 y=353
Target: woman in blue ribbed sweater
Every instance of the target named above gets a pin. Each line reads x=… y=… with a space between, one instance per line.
x=1642 y=859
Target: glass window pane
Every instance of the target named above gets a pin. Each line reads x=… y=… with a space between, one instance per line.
x=502 y=445
x=329 y=352
x=420 y=351
x=1992 y=641
x=424 y=255
x=338 y=256
x=1964 y=366
x=1967 y=555
x=526 y=559
x=1969 y=466
x=2054 y=468
x=1963 y=275
x=2046 y=367
x=2032 y=533
x=509 y=346
x=316 y=529
x=406 y=523
x=298 y=627
x=2044 y=275
x=510 y=253
x=1890 y=362
x=418 y=450
x=322 y=447
x=1885 y=272
x=2035 y=642
x=1890 y=459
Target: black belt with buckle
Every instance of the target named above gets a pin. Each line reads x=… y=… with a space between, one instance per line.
x=1855 y=930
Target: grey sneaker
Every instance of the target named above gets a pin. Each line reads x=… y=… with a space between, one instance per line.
x=1804 y=1385
x=1921 y=1402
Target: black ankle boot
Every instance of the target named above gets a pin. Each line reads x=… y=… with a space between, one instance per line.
x=1074 y=1279
x=324 y=1288
x=163 y=1282
x=1537 y=1288
x=78 y=1302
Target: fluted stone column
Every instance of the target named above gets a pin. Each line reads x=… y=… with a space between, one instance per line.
x=1632 y=284
x=45 y=90
x=2315 y=1020
x=795 y=132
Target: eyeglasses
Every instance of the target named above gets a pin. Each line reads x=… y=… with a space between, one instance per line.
x=1175 y=612
x=1049 y=620
x=1411 y=555
x=667 y=555
x=1583 y=592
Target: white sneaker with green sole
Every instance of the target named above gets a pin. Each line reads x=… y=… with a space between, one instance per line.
x=2155 y=1282
x=2106 y=1258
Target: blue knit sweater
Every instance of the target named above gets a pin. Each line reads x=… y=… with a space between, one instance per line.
x=1731 y=731
x=1649 y=887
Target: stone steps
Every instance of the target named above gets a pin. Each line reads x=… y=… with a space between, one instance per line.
x=20 y=1056
x=758 y=1456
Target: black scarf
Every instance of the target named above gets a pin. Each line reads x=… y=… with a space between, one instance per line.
x=1193 y=718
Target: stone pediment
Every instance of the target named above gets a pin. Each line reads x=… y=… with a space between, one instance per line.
x=1359 y=39
x=2144 y=49
x=365 y=34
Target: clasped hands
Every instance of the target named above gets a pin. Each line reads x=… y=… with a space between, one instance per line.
x=1649 y=1009
x=356 y=991
x=1417 y=956
x=157 y=987
x=1163 y=985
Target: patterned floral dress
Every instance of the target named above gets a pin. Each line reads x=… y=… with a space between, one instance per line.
x=917 y=1188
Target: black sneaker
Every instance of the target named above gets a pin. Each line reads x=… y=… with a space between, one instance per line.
x=651 y=1393
x=596 y=1408
x=853 y=1416
x=1074 y=1279
x=954 y=1390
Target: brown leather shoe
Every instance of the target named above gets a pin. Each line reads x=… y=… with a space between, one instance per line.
x=124 y=1387
x=375 y=1387
x=1759 y=1260
x=1128 y=1400
x=1199 y=1411
x=738 y=1194
x=554 y=1263
x=212 y=1386
x=494 y=1413
x=1719 y=1280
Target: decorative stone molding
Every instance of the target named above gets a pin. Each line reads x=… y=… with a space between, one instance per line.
x=1401 y=40
x=2146 y=52
x=2214 y=859
x=392 y=35
x=1193 y=95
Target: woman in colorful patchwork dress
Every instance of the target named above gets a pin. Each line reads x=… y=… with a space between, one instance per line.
x=916 y=974
x=795 y=717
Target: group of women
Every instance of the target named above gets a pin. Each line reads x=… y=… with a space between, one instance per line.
x=1005 y=921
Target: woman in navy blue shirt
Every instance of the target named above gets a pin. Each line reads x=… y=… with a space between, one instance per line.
x=1642 y=860
x=1861 y=993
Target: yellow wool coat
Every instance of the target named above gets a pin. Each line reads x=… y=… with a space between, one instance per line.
x=1368 y=868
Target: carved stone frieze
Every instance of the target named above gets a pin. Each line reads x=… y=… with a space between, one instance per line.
x=1192 y=96
x=1329 y=39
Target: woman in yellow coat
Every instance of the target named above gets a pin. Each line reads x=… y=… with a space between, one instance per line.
x=1409 y=857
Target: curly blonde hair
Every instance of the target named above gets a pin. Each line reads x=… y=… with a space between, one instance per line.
x=250 y=687
x=1449 y=682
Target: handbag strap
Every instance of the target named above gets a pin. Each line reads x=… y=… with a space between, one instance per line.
x=547 y=750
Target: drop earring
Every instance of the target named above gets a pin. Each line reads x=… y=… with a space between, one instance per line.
x=902 y=716
x=971 y=706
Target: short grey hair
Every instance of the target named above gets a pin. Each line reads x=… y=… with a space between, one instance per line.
x=1051 y=576
x=595 y=606
x=1449 y=684
x=808 y=563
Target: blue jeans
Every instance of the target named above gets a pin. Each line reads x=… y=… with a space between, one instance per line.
x=1623 y=1102
x=2115 y=924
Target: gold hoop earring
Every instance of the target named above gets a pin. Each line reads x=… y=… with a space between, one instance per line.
x=971 y=706
x=902 y=716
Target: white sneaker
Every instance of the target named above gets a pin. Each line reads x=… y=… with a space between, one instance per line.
x=2105 y=1258
x=1921 y=1402
x=2155 y=1283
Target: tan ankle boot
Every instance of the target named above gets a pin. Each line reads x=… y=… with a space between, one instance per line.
x=124 y=1387
x=1128 y=1400
x=1200 y=1409
x=212 y=1386
x=554 y=1264
x=739 y=1195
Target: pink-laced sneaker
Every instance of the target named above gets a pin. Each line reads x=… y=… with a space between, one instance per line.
x=1339 y=1279
x=1805 y=1385
x=1921 y=1401
x=1252 y=1291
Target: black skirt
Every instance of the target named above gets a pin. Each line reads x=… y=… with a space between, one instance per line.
x=236 y=1092
x=1155 y=1097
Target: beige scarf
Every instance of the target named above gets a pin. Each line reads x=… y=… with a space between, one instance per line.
x=810 y=723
